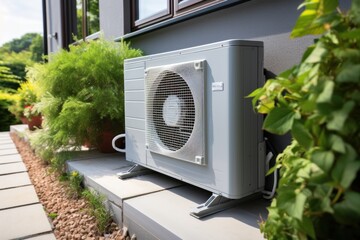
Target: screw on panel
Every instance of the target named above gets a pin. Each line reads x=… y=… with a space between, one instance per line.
x=198 y=65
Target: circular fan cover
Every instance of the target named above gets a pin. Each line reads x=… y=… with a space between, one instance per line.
x=173 y=110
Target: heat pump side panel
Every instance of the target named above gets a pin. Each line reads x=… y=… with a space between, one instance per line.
x=134 y=87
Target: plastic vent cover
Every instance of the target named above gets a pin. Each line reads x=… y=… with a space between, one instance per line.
x=174 y=106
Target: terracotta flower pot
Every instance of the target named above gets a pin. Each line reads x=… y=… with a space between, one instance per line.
x=24 y=120
x=34 y=122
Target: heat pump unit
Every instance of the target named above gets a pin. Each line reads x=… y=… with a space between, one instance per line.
x=187 y=116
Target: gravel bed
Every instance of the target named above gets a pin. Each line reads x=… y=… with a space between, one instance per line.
x=71 y=219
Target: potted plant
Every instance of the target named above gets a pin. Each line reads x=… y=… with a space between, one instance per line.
x=83 y=93
x=23 y=107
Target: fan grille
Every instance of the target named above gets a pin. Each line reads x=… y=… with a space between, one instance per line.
x=173 y=110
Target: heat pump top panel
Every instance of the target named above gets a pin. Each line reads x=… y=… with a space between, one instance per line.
x=186 y=115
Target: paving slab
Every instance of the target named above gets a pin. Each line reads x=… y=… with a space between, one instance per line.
x=166 y=215
x=22 y=222
x=101 y=175
x=7 y=146
x=20 y=196
x=4 y=152
x=4 y=134
x=5 y=141
x=11 y=168
x=14 y=180
x=10 y=159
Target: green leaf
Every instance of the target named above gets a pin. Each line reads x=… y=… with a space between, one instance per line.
x=292 y=203
x=337 y=143
x=349 y=73
x=308 y=22
x=308 y=227
x=346 y=168
x=355 y=11
x=326 y=94
x=352 y=34
x=323 y=159
x=348 y=211
x=316 y=54
x=280 y=120
x=302 y=135
x=339 y=117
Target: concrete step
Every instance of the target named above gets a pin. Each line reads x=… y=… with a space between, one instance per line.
x=155 y=206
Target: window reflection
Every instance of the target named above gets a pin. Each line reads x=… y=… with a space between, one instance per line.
x=92 y=16
x=148 y=8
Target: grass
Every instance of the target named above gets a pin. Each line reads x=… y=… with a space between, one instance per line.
x=98 y=209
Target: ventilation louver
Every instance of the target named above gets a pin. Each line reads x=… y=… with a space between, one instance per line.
x=174 y=116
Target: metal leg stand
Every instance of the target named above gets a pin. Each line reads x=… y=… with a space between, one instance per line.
x=217 y=203
x=134 y=171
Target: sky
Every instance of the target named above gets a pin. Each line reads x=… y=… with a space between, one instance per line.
x=18 y=17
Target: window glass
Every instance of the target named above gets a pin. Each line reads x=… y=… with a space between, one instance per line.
x=79 y=19
x=148 y=8
x=92 y=16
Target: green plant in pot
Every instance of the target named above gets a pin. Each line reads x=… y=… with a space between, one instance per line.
x=318 y=102
x=83 y=93
x=24 y=105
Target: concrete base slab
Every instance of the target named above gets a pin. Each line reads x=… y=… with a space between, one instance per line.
x=48 y=236
x=20 y=128
x=10 y=159
x=166 y=215
x=14 y=180
x=92 y=154
x=4 y=152
x=15 y=197
x=101 y=175
x=24 y=221
x=12 y=168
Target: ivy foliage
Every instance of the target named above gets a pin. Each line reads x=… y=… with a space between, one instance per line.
x=82 y=92
x=318 y=102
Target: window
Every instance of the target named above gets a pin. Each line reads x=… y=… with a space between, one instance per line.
x=87 y=18
x=147 y=12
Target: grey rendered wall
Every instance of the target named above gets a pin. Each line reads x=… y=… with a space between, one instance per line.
x=111 y=18
x=263 y=20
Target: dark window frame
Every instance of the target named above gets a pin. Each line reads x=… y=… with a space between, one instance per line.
x=175 y=8
x=69 y=22
x=157 y=17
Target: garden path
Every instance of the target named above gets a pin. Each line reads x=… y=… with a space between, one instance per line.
x=21 y=213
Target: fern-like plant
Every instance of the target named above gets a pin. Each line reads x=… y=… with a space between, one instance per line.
x=83 y=92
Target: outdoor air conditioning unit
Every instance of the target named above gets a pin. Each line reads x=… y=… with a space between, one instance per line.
x=187 y=116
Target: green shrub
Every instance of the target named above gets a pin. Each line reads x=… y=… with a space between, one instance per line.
x=318 y=101
x=6 y=119
x=83 y=92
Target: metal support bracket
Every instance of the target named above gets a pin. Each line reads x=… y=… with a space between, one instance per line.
x=134 y=171
x=217 y=203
